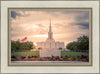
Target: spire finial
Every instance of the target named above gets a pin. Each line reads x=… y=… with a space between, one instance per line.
x=50 y=26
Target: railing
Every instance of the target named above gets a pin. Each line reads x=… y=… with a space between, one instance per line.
x=85 y=51
x=20 y=50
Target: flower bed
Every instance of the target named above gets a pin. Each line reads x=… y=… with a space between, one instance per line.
x=53 y=58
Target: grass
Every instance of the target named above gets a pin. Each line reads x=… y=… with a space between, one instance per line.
x=25 y=53
x=72 y=54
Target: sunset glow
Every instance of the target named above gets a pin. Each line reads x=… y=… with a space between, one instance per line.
x=40 y=36
x=66 y=25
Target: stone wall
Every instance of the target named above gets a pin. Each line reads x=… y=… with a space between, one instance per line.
x=50 y=52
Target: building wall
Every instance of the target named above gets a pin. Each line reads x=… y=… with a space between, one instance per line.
x=52 y=45
x=49 y=50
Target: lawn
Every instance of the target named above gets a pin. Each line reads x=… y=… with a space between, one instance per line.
x=25 y=53
x=72 y=54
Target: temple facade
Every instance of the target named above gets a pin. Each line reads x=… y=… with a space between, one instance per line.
x=50 y=47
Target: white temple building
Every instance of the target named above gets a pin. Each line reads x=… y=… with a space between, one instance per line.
x=50 y=47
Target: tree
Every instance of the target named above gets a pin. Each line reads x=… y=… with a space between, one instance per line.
x=82 y=43
x=60 y=49
x=72 y=46
x=13 y=46
x=18 y=46
x=39 y=48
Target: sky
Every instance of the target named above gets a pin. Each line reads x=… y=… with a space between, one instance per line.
x=67 y=25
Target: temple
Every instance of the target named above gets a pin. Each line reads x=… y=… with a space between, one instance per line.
x=50 y=47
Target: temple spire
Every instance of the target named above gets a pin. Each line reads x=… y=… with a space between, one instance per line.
x=50 y=34
x=50 y=26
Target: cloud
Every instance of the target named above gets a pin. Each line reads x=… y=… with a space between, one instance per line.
x=67 y=26
x=83 y=16
x=81 y=19
x=83 y=25
x=14 y=14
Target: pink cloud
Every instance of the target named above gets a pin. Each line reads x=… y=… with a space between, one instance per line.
x=37 y=23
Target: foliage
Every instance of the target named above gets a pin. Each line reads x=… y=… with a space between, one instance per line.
x=39 y=48
x=60 y=48
x=21 y=46
x=82 y=43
